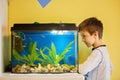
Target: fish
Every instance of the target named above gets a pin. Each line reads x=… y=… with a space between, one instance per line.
x=43 y=36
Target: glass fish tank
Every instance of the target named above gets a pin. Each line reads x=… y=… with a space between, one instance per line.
x=44 y=48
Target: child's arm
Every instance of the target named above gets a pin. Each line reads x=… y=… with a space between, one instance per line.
x=93 y=61
x=111 y=67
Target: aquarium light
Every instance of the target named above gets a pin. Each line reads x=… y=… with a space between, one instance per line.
x=54 y=31
x=60 y=32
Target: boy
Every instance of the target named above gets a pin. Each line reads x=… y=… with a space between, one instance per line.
x=98 y=65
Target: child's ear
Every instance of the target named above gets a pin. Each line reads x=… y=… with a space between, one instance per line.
x=96 y=33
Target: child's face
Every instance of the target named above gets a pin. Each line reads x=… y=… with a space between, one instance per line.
x=87 y=38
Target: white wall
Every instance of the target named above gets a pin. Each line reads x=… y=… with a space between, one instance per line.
x=3 y=34
x=0 y=38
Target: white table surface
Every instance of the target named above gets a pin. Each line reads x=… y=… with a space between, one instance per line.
x=63 y=76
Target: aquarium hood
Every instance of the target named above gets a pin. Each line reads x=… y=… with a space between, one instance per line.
x=45 y=26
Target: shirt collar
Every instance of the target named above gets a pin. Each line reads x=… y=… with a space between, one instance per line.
x=98 y=47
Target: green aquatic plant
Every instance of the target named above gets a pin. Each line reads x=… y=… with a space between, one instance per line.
x=31 y=58
x=52 y=57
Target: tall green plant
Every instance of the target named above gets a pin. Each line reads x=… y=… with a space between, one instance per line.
x=53 y=57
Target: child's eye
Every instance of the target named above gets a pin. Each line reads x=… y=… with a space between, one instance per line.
x=83 y=36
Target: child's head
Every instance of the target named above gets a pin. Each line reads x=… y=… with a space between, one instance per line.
x=91 y=30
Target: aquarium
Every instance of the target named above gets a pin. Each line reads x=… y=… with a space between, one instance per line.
x=44 y=48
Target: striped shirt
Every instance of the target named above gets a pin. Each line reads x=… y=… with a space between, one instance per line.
x=98 y=65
